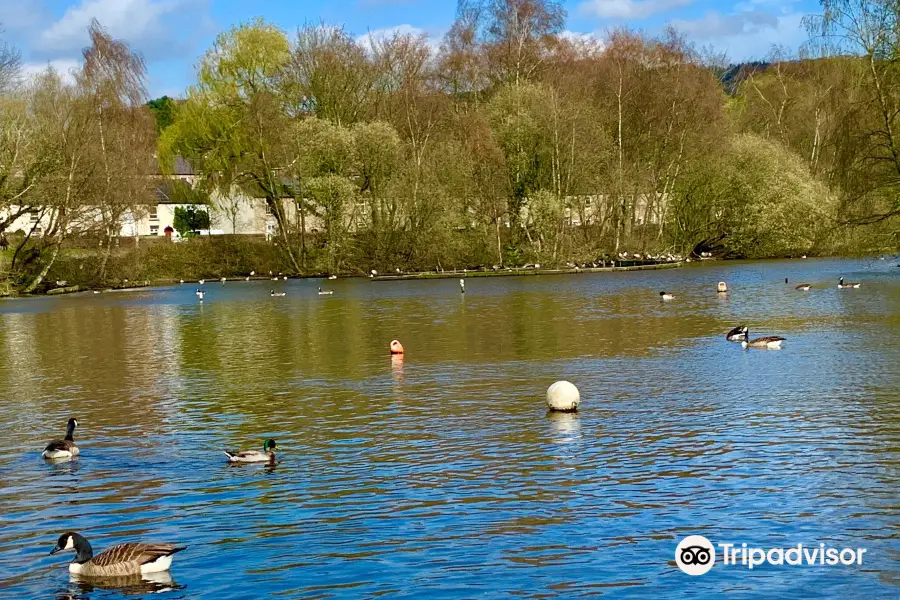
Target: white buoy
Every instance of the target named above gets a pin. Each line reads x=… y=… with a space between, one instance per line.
x=722 y=288
x=462 y=286
x=563 y=396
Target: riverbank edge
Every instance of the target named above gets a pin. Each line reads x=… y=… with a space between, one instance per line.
x=463 y=273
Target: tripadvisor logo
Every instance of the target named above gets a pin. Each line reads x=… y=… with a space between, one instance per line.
x=696 y=555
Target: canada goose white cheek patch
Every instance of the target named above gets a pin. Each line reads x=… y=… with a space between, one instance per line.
x=70 y=544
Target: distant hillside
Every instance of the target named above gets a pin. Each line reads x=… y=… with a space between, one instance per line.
x=735 y=74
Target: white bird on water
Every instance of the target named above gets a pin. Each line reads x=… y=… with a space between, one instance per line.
x=200 y=293
x=462 y=286
x=202 y=281
x=223 y=281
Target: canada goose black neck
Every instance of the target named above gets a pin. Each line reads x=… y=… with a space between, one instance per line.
x=73 y=541
x=70 y=430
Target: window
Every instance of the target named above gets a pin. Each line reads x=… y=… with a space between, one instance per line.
x=33 y=217
x=154 y=230
x=268 y=209
x=154 y=216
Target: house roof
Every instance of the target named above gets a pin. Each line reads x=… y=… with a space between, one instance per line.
x=179 y=166
x=288 y=188
x=173 y=191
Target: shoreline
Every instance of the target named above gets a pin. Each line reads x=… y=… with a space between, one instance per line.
x=413 y=276
x=521 y=272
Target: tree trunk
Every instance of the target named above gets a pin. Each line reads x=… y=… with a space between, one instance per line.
x=40 y=277
x=279 y=217
x=499 y=247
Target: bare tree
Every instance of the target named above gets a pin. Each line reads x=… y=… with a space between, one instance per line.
x=113 y=80
x=10 y=65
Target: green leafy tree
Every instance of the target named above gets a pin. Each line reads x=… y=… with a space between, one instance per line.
x=163 y=109
x=190 y=219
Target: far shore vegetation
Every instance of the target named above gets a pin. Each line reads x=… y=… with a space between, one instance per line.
x=509 y=142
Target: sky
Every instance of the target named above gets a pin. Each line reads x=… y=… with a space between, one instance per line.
x=173 y=34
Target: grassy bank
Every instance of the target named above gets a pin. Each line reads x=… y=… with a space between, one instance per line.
x=155 y=261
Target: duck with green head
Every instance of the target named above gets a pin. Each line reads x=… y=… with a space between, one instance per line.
x=254 y=456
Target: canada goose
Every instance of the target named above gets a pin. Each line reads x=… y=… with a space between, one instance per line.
x=462 y=286
x=122 y=559
x=769 y=341
x=325 y=292
x=275 y=294
x=64 y=448
x=804 y=287
x=846 y=286
x=666 y=296
x=200 y=293
x=736 y=334
x=254 y=456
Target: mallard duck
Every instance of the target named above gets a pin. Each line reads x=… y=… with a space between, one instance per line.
x=769 y=341
x=803 y=287
x=846 y=286
x=253 y=456
x=736 y=334
x=666 y=296
x=275 y=294
x=325 y=292
x=64 y=448
x=122 y=559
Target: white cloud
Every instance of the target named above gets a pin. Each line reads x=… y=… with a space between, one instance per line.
x=746 y=35
x=63 y=66
x=629 y=9
x=132 y=20
x=714 y=24
x=592 y=40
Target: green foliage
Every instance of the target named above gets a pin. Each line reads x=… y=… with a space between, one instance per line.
x=335 y=194
x=324 y=148
x=190 y=219
x=163 y=109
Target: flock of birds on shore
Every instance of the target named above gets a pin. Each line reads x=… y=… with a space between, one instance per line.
x=135 y=558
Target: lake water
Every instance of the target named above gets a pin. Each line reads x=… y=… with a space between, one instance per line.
x=442 y=475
